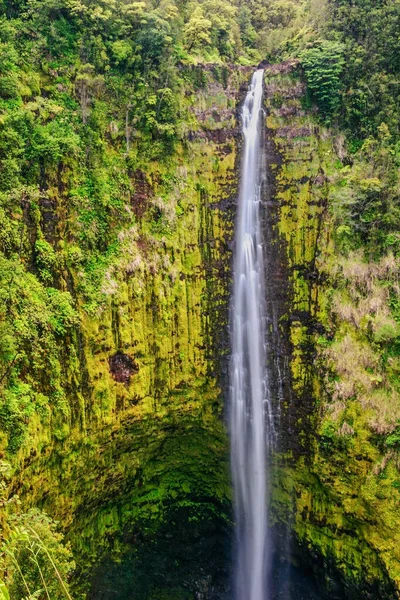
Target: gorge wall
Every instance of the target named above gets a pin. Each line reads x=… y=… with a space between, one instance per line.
x=135 y=467
x=123 y=438
x=335 y=479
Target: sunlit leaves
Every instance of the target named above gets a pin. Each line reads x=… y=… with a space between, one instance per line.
x=32 y=319
x=198 y=30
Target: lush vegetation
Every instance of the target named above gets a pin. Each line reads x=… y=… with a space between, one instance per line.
x=353 y=75
x=33 y=560
x=96 y=100
x=89 y=96
x=95 y=120
x=77 y=79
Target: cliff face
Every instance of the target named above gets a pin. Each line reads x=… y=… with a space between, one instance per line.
x=335 y=479
x=136 y=465
x=122 y=437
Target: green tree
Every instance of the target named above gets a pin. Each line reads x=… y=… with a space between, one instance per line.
x=369 y=31
x=323 y=65
x=225 y=32
x=198 y=30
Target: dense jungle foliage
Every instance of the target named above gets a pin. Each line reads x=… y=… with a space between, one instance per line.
x=90 y=95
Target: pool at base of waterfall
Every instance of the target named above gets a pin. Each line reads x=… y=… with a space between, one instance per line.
x=294 y=583
x=133 y=580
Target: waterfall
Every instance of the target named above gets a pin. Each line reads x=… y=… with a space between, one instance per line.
x=250 y=410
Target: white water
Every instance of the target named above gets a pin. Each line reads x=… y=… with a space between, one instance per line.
x=250 y=410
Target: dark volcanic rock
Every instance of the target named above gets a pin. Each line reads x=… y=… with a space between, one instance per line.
x=122 y=367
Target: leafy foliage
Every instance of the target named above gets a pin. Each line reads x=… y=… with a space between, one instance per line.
x=37 y=563
x=369 y=31
x=323 y=65
x=34 y=562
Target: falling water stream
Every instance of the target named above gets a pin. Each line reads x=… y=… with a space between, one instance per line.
x=250 y=409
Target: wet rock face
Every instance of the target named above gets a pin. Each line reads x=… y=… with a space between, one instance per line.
x=143 y=192
x=122 y=367
x=342 y=526
x=148 y=386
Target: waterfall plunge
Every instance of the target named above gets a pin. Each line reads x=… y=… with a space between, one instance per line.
x=250 y=411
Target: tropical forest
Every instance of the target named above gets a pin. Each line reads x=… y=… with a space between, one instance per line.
x=199 y=300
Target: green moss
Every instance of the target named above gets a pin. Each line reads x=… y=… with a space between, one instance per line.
x=341 y=497
x=147 y=262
